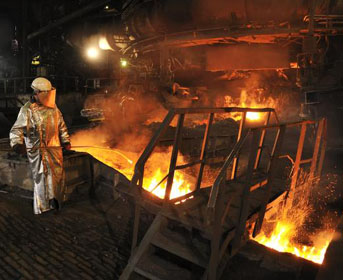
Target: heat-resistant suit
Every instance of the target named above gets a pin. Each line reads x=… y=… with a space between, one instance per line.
x=43 y=130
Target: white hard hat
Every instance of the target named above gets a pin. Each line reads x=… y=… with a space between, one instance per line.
x=41 y=84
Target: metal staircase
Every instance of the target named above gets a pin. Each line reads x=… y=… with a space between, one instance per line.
x=193 y=236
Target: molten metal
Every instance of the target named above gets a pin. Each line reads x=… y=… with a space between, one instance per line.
x=111 y=157
x=180 y=185
x=156 y=170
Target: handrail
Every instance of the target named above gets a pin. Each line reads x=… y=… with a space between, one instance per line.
x=216 y=185
x=150 y=147
x=290 y=124
x=207 y=110
x=139 y=167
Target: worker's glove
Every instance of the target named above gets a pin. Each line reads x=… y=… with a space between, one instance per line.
x=20 y=149
x=66 y=146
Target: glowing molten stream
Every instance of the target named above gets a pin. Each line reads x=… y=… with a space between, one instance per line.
x=124 y=163
x=281 y=240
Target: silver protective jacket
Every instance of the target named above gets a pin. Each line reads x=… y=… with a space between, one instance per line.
x=42 y=130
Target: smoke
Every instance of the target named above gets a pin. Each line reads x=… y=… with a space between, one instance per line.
x=124 y=117
x=258 y=89
x=272 y=89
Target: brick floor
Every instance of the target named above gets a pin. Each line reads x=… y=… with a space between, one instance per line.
x=88 y=239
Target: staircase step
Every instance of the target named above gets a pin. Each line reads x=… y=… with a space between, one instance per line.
x=179 y=245
x=156 y=268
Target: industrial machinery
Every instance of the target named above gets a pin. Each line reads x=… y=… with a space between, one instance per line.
x=192 y=51
x=193 y=234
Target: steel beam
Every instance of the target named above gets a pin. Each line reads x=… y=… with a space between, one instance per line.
x=67 y=18
x=173 y=160
x=204 y=149
x=296 y=166
x=236 y=159
x=244 y=208
x=270 y=179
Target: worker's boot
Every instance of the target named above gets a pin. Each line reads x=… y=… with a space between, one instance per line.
x=54 y=204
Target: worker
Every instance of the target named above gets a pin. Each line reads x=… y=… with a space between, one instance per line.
x=40 y=132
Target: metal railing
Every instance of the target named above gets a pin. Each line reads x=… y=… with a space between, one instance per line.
x=228 y=186
x=316 y=164
x=138 y=177
x=22 y=85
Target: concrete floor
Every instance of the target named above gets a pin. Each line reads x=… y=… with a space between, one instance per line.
x=90 y=239
x=86 y=240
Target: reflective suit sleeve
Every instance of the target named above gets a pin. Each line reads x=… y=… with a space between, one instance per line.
x=17 y=130
x=63 y=131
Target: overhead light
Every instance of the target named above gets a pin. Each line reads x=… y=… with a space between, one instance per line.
x=103 y=44
x=35 y=60
x=107 y=7
x=93 y=53
x=123 y=62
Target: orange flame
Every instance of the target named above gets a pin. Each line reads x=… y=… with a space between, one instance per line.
x=157 y=168
x=281 y=240
x=180 y=185
x=250 y=100
x=283 y=236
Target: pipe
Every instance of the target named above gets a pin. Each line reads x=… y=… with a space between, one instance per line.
x=72 y=148
x=311 y=17
x=67 y=18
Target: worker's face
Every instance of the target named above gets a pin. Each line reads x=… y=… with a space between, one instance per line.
x=46 y=98
x=35 y=96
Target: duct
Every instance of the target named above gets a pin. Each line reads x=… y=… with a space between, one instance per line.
x=183 y=23
x=175 y=15
x=150 y=18
x=68 y=18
